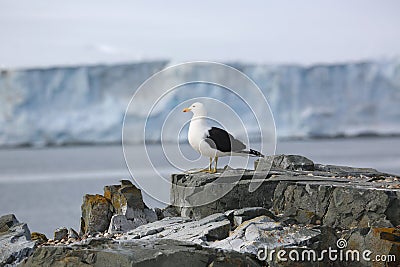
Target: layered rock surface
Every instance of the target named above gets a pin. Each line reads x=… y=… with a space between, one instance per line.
x=122 y=205
x=108 y=252
x=15 y=241
x=299 y=206
x=361 y=205
x=336 y=196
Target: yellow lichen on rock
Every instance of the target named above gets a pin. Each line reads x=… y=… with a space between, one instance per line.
x=39 y=237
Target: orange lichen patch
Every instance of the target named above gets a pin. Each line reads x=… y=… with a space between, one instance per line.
x=388 y=234
x=95 y=199
x=107 y=195
x=124 y=195
x=111 y=190
x=96 y=214
x=41 y=238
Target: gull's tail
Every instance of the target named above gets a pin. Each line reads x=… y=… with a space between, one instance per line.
x=251 y=152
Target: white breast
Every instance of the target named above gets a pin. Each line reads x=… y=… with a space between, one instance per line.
x=197 y=133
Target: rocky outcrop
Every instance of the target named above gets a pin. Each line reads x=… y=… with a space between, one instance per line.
x=7 y=222
x=219 y=231
x=335 y=196
x=73 y=234
x=15 y=241
x=39 y=237
x=264 y=232
x=208 y=229
x=120 y=209
x=300 y=207
x=108 y=252
x=381 y=241
x=124 y=197
x=215 y=235
x=286 y=162
x=241 y=215
x=96 y=214
x=360 y=205
x=60 y=233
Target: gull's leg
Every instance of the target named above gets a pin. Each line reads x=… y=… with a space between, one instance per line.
x=215 y=165
x=209 y=167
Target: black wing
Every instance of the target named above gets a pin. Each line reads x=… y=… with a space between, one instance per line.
x=223 y=141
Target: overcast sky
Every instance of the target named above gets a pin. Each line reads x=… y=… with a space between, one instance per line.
x=71 y=32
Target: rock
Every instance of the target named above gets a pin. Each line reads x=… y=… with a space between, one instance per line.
x=211 y=228
x=305 y=204
x=126 y=199
x=125 y=183
x=120 y=224
x=73 y=234
x=351 y=207
x=159 y=213
x=357 y=198
x=381 y=241
x=186 y=187
x=286 y=162
x=96 y=214
x=262 y=232
x=154 y=228
x=151 y=215
x=123 y=197
x=60 y=233
x=244 y=214
x=140 y=217
x=346 y=171
x=315 y=204
x=15 y=240
x=170 y=211
x=6 y=222
x=107 y=252
x=39 y=237
x=393 y=210
x=336 y=207
x=218 y=231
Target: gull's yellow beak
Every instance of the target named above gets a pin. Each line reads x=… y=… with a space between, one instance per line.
x=186 y=110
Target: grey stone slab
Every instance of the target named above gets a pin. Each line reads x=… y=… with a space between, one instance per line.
x=107 y=252
x=15 y=242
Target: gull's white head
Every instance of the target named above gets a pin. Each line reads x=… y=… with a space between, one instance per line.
x=197 y=108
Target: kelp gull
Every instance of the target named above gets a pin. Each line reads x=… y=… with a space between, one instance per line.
x=213 y=142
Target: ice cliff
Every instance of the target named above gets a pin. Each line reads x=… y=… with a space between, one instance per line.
x=86 y=104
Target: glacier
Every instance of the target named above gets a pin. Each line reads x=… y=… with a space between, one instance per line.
x=86 y=104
